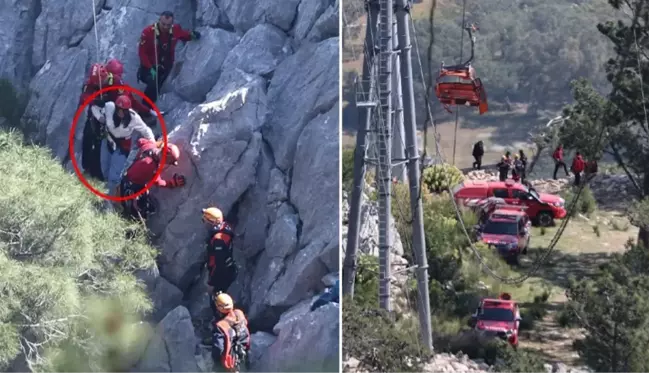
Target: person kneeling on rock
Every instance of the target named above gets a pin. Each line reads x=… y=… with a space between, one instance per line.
x=142 y=171
x=221 y=267
x=230 y=335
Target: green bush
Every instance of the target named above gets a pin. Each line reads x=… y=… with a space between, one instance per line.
x=534 y=312
x=586 y=205
x=57 y=255
x=380 y=344
x=441 y=177
x=521 y=360
x=566 y=317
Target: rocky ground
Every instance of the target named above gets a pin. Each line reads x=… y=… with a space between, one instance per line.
x=612 y=193
x=254 y=107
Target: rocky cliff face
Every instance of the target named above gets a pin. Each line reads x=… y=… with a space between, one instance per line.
x=254 y=107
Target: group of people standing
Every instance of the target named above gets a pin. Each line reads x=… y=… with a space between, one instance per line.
x=518 y=164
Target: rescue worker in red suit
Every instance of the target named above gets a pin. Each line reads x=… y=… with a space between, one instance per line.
x=157 y=52
x=230 y=335
x=221 y=267
x=578 y=166
x=142 y=171
x=557 y=156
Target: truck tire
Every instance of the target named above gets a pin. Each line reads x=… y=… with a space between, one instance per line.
x=545 y=219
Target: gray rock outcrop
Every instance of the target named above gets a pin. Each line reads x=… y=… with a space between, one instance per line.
x=253 y=106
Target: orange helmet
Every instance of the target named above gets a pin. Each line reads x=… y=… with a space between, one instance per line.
x=213 y=215
x=224 y=303
x=173 y=154
x=123 y=102
x=115 y=67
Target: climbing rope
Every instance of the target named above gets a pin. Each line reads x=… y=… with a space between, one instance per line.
x=457 y=109
x=94 y=19
x=155 y=53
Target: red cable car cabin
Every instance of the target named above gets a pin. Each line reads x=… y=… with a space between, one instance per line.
x=458 y=84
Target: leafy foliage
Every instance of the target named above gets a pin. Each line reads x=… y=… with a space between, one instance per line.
x=380 y=344
x=586 y=204
x=58 y=254
x=615 y=312
x=442 y=177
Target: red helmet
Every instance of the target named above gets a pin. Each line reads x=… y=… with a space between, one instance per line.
x=173 y=154
x=123 y=102
x=98 y=74
x=115 y=67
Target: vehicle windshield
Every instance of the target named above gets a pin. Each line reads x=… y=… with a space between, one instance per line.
x=501 y=227
x=533 y=192
x=496 y=314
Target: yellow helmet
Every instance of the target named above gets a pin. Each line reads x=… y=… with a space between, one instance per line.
x=224 y=303
x=213 y=215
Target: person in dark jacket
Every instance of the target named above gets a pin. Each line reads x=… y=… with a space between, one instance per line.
x=557 y=156
x=330 y=295
x=518 y=169
x=220 y=262
x=578 y=166
x=523 y=158
x=230 y=336
x=503 y=168
x=478 y=152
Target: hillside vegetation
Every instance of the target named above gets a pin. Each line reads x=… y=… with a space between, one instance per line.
x=527 y=52
x=66 y=270
x=600 y=310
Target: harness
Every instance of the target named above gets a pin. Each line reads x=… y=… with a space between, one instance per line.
x=165 y=48
x=222 y=232
x=234 y=321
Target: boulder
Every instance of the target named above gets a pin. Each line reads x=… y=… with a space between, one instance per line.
x=173 y=346
x=309 y=343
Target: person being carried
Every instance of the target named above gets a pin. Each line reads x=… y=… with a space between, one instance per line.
x=330 y=295
x=578 y=166
x=157 y=52
x=557 y=156
x=142 y=171
x=478 y=152
x=121 y=122
x=221 y=267
x=230 y=335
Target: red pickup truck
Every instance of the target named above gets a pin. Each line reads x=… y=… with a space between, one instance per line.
x=542 y=208
x=498 y=318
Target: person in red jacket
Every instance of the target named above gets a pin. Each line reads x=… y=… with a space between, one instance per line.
x=157 y=52
x=578 y=166
x=558 y=161
x=142 y=171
